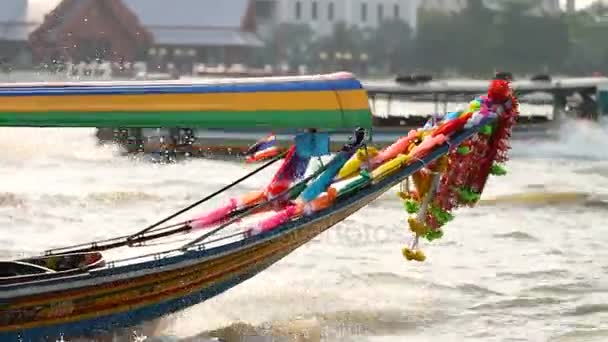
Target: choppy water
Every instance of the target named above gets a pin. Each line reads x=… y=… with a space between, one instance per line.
x=503 y=272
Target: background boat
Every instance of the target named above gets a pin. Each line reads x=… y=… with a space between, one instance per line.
x=398 y=106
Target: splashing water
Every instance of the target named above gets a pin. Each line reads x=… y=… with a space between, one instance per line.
x=578 y=139
x=46 y=144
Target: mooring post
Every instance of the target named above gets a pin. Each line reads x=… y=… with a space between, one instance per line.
x=559 y=107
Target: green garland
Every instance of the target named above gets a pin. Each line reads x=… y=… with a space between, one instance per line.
x=442 y=216
x=486 y=130
x=468 y=195
x=411 y=206
x=498 y=170
x=463 y=150
x=433 y=235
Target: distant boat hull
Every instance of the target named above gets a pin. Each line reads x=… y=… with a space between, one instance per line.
x=231 y=144
x=322 y=101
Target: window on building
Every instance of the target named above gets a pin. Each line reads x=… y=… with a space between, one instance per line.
x=298 y=10
x=380 y=13
x=330 y=11
x=264 y=9
x=396 y=11
x=314 y=10
x=364 y=12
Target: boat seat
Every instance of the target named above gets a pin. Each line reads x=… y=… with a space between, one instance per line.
x=68 y=262
x=19 y=268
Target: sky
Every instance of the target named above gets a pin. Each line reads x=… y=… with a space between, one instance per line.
x=579 y=3
x=45 y=5
x=40 y=7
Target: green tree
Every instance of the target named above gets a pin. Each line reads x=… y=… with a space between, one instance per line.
x=390 y=46
x=340 y=50
x=472 y=38
x=513 y=35
x=290 y=43
x=587 y=53
x=525 y=42
x=434 y=43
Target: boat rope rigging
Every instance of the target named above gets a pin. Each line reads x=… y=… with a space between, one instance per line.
x=293 y=192
x=184 y=227
x=208 y=197
x=140 y=236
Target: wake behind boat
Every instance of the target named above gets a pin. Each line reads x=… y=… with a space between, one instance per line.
x=103 y=285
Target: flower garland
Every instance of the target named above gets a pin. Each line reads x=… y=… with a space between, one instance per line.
x=462 y=174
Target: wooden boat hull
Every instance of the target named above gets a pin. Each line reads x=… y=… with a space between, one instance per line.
x=136 y=299
x=124 y=296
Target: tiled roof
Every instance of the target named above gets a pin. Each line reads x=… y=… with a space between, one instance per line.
x=195 y=22
x=171 y=22
x=189 y=13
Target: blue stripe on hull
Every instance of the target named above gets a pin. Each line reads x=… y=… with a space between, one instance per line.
x=128 y=319
x=321 y=85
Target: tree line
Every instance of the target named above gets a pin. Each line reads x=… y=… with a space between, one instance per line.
x=473 y=42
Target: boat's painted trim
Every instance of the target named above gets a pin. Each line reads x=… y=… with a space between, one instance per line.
x=335 y=81
x=64 y=310
x=175 y=103
x=328 y=119
x=130 y=318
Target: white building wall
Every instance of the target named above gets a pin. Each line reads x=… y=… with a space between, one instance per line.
x=347 y=11
x=445 y=6
x=450 y=6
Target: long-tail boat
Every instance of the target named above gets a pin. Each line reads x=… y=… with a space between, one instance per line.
x=121 y=282
x=387 y=99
